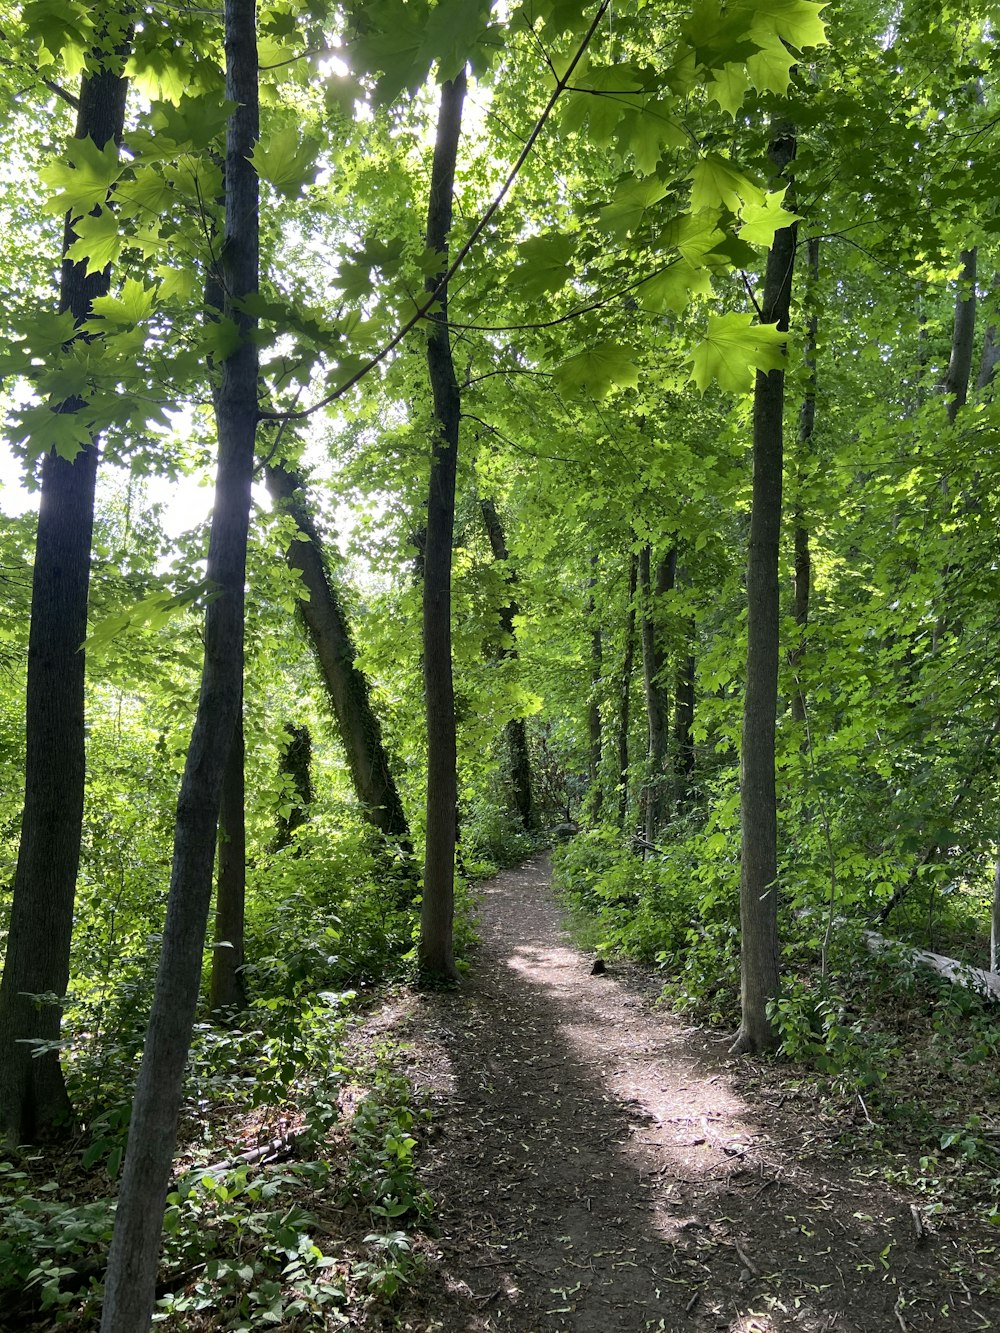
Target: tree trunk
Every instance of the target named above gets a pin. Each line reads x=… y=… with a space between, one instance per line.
x=758 y=810
x=807 y=425
x=684 y=723
x=132 y=1262
x=435 y=952
x=34 y=1103
x=515 y=732
x=625 y=691
x=227 y=989
x=296 y=764
x=346 y=686
x=991 y=346
x=956 y=383
x=595 y=740
x=654 y=665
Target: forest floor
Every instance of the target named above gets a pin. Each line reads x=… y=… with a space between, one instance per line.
x=599 y=1167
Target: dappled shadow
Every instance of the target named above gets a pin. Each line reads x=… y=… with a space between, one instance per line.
x=596 y=1171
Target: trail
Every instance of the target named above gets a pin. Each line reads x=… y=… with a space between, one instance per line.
x=599 y=1170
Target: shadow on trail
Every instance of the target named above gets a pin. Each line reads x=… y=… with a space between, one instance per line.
x=597 y=1173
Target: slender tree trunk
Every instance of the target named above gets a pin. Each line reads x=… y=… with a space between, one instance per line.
x=595 y=739
x=807 y=425
x=34 y=1103
x=991 y=346
x=515 y=732
x=956 y=383
x=995 y=920
x=296 y=765
x=758 y=809
x=346 y=686
x=654 y=666
x=132 y=1263
x=435 y=951
x=684 y=723
x=625 y=691
x=227 y=989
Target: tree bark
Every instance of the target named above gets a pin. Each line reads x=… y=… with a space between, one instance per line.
x=991 y=347
x=346 y=686
x=654 y=665
x=227 y=989
x=595 y=739
x=684 y=723
x=132 y=1262
x=435 y=952
x=515 y=732
x=625 y=691
x=956 y=383
x=758 y=809
x=34 y=1103
x=807 y=425
x=296 y=764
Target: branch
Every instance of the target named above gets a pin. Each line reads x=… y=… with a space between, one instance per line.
x=462 y=254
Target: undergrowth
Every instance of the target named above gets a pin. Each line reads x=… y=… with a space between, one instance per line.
x=903 y=1064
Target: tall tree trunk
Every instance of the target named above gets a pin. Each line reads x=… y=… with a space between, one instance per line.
x=346 y=686
x=807 y=425
x=654 y=666
x=132 y=1262
x=684 y=722
x=991 y=345
x=435 y=952
x=595 y=739
x=625 y=691
x=296 y=765
x=956 y=383
x=758 y=810
x=515 y=732
x=34 y=1103
x=227 y=989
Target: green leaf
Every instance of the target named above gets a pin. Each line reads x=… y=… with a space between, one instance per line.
x=161 y=72
x=98 y=242
x=41 y=428
x=796 y=22
x=728 y=87
x=674 y=288
x=544 y=264
x=152 y=613
x=81 y=182
x=715 y=182
x=761 y=221
x=179 y=283
x=632 y=198
x=597 y=369
x=286 y=159
x=733 y=348
x=134 y=304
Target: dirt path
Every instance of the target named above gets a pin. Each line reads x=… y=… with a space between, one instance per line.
x=598 y=1170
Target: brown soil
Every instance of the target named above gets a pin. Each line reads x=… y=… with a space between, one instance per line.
x=601 y=1168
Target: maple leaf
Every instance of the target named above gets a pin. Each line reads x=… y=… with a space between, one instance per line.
x=83 y=181
x=597 y=369
x=733 y=348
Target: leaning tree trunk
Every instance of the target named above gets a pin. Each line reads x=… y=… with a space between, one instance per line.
x=132 y=1262
x=33 y=1098
x=227 y=989
x=435 y=952
x=625 y=691
x=991 y=347
x=654 y=666
x=758 y=809
x=346 y=685
x=515 y=732
x=684 y=721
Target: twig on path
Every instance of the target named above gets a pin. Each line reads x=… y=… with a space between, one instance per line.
x=919 y=1225
x=748 y=1263
x=692 y=1302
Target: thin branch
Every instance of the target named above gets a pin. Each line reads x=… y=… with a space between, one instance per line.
x=462 y=254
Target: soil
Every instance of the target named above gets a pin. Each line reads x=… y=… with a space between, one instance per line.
x=599 y=1167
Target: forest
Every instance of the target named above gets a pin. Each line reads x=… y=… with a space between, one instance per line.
x=499 y=537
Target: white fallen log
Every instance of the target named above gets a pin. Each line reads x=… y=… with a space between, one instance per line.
x=972 y=978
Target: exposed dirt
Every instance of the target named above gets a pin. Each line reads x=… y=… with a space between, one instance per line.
x=601 y=1168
